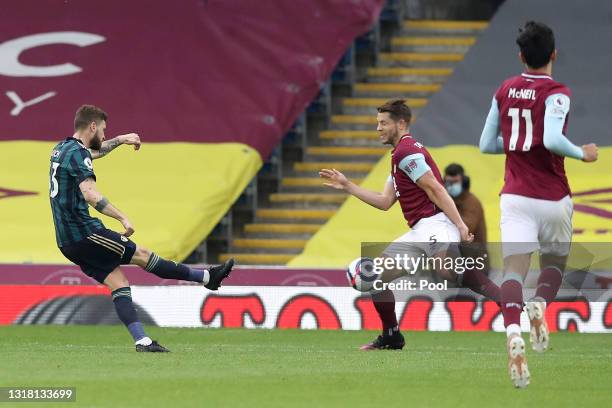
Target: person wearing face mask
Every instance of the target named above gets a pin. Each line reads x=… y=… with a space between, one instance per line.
x=457 y=184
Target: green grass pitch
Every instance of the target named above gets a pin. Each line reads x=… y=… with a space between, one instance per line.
x=286 y=368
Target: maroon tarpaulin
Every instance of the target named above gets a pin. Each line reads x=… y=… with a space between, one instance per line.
x=201 y=71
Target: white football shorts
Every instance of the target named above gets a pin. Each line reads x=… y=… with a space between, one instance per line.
x=530 y=224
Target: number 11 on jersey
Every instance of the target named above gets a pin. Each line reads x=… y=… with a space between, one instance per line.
x=516 y=124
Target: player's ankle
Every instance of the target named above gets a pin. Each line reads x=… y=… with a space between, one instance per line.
x=513 y=329
x=145 y=341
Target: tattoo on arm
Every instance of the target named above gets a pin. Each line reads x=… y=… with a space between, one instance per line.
x=101 y=205
x=108 y=146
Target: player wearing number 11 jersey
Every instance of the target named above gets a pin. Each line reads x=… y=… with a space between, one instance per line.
x=528 y=122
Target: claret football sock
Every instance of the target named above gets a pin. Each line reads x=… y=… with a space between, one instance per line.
x=549 y=283
x=512 y=301
x=384 y=302
x=122 y=298
x=480 y=283
x=172 y=270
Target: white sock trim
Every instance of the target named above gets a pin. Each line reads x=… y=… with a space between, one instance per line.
x=206 y=278
x=145 y=341
x=513 y=329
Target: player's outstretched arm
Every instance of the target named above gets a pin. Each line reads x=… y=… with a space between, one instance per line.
x=102 y=205
x=382 y=201
x=490 y=141
x=110 y=145
x=439 y=196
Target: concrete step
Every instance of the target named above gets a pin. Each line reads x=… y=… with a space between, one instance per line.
x=307 y=198
x=293 y=214
x=307 y=183
x=396 y=89
x=411 y=75
x=313 y=184
x=257 y=259
x=301 y=182
x=435 y=44
x=361 y=106
x=418 y=60
x=349 y=134
x=314 y=167
x=353 y=122
x=354 y=138
x=268 y=243
x=348 y=153
x=362 y=123
x=281 y=229
x=442 y=27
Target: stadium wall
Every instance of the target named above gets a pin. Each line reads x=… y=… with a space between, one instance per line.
x=211 y=88
x=268 y=298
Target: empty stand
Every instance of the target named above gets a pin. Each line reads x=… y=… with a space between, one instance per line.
x=421 y=58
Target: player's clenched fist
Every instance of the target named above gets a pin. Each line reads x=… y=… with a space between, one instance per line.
x=131 y=139
x=129 y=229
x=590 y=152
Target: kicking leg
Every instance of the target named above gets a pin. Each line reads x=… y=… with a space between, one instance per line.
x=210 y=278
x=472 y=278
x=122 y=298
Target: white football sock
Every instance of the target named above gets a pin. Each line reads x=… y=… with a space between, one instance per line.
x=513 y=329
x=206 y=277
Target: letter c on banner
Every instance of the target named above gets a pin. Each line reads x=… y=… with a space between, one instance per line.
x=11 y=49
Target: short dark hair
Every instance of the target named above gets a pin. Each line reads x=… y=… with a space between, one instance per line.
x=87 y=114
x=397 y=109
x=454 y=169
x=537 y=43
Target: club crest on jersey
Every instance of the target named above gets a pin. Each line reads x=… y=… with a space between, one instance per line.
x=410 y=166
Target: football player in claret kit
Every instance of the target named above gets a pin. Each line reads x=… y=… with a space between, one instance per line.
x=530 y=111
x=85 y=241
x=416 y=183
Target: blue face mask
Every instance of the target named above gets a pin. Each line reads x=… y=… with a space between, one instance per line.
x=454 y=189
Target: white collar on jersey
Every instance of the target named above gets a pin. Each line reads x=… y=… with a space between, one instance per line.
x=526 y=75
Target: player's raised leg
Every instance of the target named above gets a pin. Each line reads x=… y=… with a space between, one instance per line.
x=211 y=278
x=122 y=298
x=472 y=278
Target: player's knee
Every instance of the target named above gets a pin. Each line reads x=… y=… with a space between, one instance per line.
x=116 y=280
x=142 y=255
x=145 y=253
